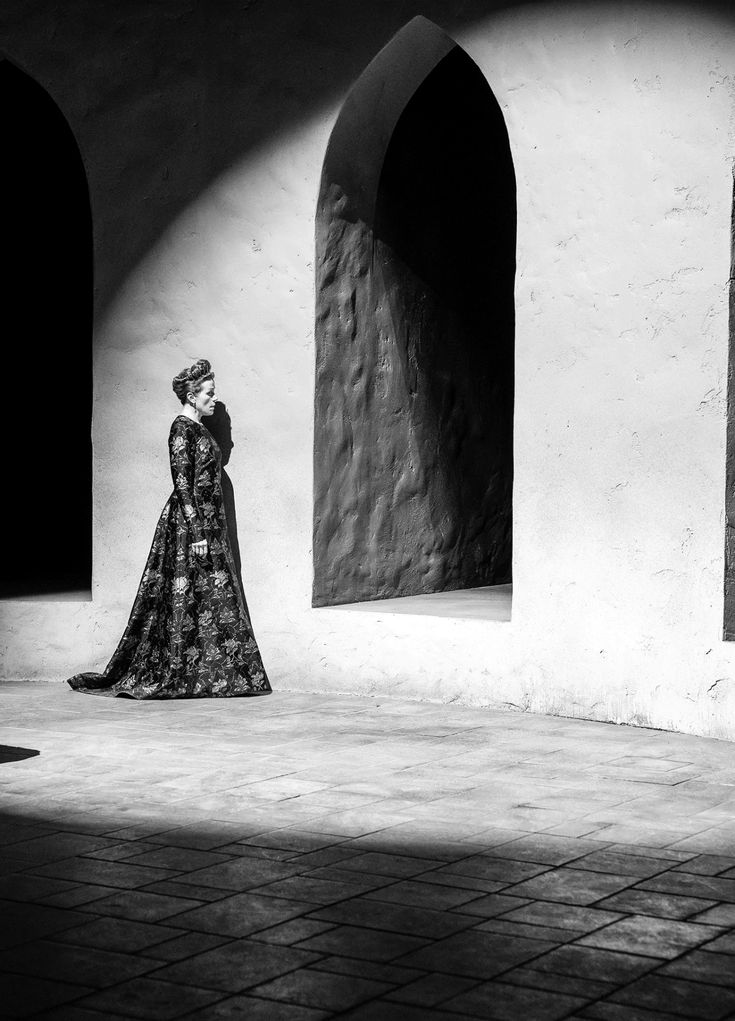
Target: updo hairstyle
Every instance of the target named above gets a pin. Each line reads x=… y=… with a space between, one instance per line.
x=191 y=380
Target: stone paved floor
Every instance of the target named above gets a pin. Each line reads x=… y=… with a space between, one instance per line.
x=295 y=857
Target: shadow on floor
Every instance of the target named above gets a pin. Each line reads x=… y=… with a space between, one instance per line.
x=131 y=917
x=10 y=754
x=299 y=858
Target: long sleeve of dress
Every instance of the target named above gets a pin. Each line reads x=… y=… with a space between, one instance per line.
x=182 y=451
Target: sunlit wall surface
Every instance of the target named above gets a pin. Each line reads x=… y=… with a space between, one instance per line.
x=204 y=139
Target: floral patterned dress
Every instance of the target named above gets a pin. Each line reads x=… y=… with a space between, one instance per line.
x=189 y=634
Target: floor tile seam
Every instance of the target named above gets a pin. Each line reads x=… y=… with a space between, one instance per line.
x=377 y=997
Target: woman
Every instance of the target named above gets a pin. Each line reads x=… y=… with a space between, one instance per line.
x=189 y=634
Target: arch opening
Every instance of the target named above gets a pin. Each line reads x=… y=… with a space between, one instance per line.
x=47 y=508
x=413 y=459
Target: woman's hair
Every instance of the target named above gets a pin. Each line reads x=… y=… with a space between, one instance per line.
x=191 y=380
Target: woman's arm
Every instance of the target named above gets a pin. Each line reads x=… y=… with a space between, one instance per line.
x=181 y=444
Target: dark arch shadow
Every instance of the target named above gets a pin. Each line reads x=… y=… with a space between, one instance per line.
x=8 y=753
x=47 y=298
x=163 y=104
x=415 y=269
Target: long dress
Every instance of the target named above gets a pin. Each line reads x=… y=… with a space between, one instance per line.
x=189 y=633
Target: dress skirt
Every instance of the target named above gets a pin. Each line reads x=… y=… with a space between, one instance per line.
x=189 y=633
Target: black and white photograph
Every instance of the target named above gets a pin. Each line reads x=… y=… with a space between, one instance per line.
x=367 y=585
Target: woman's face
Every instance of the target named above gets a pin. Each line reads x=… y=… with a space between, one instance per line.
x=205 y=400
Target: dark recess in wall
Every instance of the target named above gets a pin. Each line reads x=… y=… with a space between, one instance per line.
x=413 y=451
x=47 y=311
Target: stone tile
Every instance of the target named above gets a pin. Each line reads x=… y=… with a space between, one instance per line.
x=655 y=937
x=251 y=1008
x=394 y=918
x=359 y=881
x=204 y=836
x=588 y=962
x=241 y=914
x=475 y=954
x=321 y=989
x=514 y=930
x=429 y=990
x=242 y=873
x=117 y=874
x=666 y=853
x=70 y=1012
x=491 y=906
x=188 y=945
x=714 y=841
x=324 y=857
x=141 y=906
x=688 y=885
x=461 y=882
x=569 y=985
x=297 y=929
x=497 y=1001
x=381 y=972
x=315 y=889
x=723 y=944
x=240 y=850
x=20 y=923
x=692 y=999
x=423 y=895
x=562 y=916
x=660 y=905
x=623 y=864
x=58 y=846
x=181 y=859
x=25 y=888
x=120 y=851
x=149 y=998
x=89 y=966
x=708 y=865
x=370 y=944
x=118 y=934
x=607 y=1011
x=21 y=996
x=236 y=966
x=375 y=863
x=572 y=886
x=302 y=841
x=547 y=849
x=700 y=966
x=180 y=888
x=722 y=914
x=385 y=1011
x=498 y=870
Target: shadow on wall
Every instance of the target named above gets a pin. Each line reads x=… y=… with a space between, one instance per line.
x=163 y=101
x=220 y=426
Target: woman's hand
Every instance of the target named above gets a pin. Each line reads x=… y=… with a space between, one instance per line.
x=200 y=548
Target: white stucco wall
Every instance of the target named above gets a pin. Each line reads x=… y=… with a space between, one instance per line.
x=621 y=123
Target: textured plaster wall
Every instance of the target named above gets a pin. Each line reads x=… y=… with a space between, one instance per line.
x=413 y=445
x=204 y=142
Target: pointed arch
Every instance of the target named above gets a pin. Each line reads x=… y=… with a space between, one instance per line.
x=47 y=241
x=415 y=268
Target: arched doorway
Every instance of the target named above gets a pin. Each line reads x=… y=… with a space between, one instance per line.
x=47 y=235
x=413 y=459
